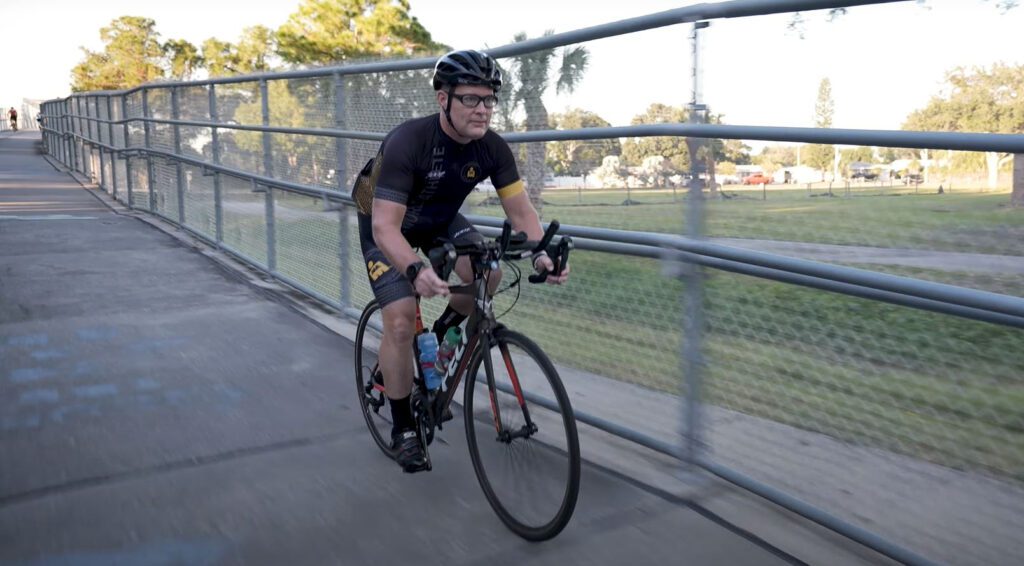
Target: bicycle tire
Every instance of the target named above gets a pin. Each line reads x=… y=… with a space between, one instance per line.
x=366 y=394
x=505 y=340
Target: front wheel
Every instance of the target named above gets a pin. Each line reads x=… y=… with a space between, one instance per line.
x=522 y=436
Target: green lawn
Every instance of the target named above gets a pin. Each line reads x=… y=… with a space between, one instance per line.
x=967 y=222
x=931 y=386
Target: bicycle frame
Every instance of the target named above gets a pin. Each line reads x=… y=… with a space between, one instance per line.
x=479 y=333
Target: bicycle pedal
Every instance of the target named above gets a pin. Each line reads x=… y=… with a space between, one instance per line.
x=424 y=467
x=446 y=416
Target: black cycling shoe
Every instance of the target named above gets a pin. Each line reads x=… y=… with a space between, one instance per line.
x=408 y=452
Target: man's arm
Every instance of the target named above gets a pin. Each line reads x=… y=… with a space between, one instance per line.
x=387 y=233
x=524 y=218
x=522 y=215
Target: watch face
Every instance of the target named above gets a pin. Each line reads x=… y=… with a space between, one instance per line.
x=412 y=271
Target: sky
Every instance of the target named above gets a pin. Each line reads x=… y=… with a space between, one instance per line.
x=883 y=61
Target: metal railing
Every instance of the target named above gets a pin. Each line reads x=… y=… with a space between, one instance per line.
x=259 y=166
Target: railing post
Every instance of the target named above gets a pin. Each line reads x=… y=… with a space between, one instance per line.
x=218 y=205
x=67 y=132
x=80 y=130
x=341 y=175
x=127 y=143
x=693 y=295
x=75 y=127
x=146 y=142
x=268 y=170
x=113 y=154
x=99 y=142
x=179 y=173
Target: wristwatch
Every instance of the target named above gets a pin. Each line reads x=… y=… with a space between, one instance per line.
x=413 y=271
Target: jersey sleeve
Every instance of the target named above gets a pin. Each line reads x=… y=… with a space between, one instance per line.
x=396 y=169
x=505 y=178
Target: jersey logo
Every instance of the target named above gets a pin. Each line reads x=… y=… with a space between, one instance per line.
x=376 y=269
x=471 y=172
x=435 y=175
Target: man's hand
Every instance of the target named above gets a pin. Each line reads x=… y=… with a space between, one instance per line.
x=428 y=284
x=544 y=263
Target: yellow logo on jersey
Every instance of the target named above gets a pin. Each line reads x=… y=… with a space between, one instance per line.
x=470 y=172
x=376 y=269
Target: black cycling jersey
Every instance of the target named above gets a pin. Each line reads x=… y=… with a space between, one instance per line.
x=420 y=166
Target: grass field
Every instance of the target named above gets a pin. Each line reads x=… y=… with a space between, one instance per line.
x=976 y=222
x=935 y=387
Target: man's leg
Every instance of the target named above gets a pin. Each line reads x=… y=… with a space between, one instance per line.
x=396 y=347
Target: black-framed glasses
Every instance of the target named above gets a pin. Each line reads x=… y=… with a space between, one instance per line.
x=474 y=100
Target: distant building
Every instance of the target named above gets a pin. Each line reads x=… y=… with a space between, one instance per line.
x=798 y=174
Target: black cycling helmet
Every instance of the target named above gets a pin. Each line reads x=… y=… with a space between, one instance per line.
x=467 y=67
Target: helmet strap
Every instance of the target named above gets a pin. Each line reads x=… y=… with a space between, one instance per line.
x=448 y=111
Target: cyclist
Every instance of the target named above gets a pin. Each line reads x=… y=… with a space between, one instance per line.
x=12 y=115
x=409 y=195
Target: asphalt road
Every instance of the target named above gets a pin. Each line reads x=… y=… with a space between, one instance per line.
x=157 y=409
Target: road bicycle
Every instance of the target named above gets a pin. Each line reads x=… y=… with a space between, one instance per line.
x=520 y=427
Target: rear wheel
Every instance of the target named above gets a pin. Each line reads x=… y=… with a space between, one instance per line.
x=372 y=400
x=522 y=436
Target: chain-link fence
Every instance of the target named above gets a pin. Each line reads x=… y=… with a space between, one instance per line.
x=859 y=348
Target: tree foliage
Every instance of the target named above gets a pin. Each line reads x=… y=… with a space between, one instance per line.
x=182 y=59
x=131 y=56
x=333 y=31
x=528 y=78
x=821 y=156
x=579 y=157
x=977 y=100
x=255 y=52
x=775 y=157
x=673 y=149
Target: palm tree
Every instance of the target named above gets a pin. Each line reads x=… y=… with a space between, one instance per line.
x=527 y=80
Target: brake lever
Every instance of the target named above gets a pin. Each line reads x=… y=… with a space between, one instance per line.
x=442 y=259
x=560 y=259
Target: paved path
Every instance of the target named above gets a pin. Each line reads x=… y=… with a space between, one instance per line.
x=158 y=409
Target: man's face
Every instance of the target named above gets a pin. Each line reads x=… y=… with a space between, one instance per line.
x=470 y=122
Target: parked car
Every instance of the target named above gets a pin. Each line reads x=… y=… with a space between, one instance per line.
x=864 y=174
x=757 y=179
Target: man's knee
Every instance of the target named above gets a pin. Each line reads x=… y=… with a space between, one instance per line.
x=400 y=320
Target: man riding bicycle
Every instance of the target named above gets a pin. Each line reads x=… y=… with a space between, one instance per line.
x=409 y=196
x=12 y=115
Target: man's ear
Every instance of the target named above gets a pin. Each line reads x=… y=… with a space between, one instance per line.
x=442 y=98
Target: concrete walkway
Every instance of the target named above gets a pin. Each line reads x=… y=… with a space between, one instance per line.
x=156 y=408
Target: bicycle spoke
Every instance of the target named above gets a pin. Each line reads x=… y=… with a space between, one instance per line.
x=530 y=462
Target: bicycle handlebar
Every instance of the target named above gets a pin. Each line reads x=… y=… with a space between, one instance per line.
x=507 y=246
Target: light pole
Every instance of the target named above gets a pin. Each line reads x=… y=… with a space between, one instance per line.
x=693 y=274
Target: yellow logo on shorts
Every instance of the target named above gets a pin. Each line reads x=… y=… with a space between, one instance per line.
x=376 y=269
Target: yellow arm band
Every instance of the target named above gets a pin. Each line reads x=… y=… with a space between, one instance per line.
x=511 y=190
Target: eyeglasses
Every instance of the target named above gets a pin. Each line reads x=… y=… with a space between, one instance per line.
x=474 y=100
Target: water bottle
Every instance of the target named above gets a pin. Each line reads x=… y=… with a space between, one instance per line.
x=446 y=350
x=427 y=343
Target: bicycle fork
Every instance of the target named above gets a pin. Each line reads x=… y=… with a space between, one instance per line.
x=528 y=429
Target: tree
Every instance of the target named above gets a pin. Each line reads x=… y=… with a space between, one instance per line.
x=579 y=157
x=673 y=149
x=979 y=100
x=257 y=49
x=255 y=53
x=529 y=79
x=861 y=154
x=131 y=56
x=822 y=156
x=332 y=31
x=219 y=57
x=182 y=59
x=774 y=157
